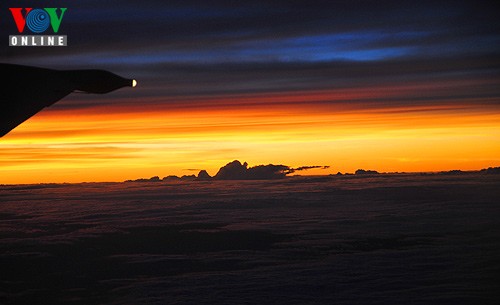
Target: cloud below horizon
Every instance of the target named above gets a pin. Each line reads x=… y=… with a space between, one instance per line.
x=278 y=81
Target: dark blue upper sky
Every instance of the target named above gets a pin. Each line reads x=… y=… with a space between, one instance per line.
x=200 y=47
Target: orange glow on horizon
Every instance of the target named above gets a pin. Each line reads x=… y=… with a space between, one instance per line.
x=129 y=141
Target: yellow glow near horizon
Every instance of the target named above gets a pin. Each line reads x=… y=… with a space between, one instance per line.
x=130 y=143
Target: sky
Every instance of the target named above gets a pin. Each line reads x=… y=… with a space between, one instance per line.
x=393 y=86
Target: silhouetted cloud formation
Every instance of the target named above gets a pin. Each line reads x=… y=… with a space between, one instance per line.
x=302 y=168
x=237 y=171
x=203 y=175
x=152 y=179
x=366 y=172
x=491 y=171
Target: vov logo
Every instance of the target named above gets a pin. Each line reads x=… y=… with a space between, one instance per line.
x=38 y=21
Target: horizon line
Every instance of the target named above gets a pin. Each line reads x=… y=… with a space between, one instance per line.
x=369 y=173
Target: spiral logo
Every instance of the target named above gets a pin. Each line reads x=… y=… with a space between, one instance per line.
x=38 y=20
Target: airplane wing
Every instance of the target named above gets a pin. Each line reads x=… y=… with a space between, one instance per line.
x=26 y=90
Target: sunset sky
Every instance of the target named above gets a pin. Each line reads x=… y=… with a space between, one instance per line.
x=388 y=86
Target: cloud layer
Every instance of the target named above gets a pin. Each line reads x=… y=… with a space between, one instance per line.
x=329 y=82
x=198 y=48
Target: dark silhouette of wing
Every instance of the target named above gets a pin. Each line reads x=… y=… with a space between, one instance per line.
x=26 y=90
